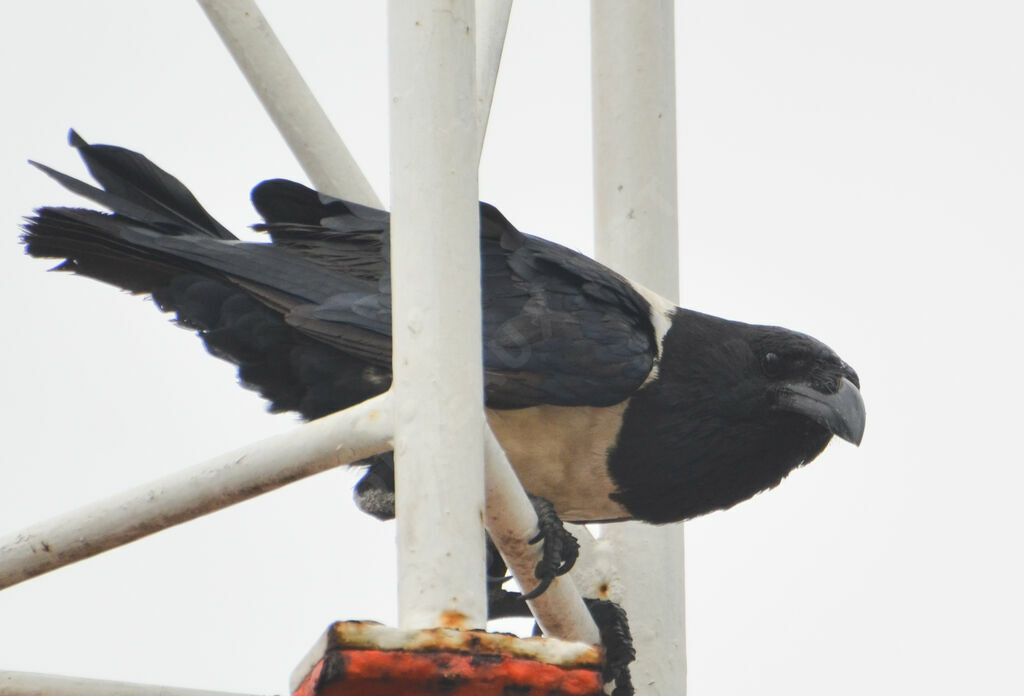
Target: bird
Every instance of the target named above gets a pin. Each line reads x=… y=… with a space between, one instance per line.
x=611 y=402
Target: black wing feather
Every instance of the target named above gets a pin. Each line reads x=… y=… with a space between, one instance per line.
x=132 y=177
x=307 y=318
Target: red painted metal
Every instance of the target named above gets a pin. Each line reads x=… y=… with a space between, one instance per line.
x=359 y=659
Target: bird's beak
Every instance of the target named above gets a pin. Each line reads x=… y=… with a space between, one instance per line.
x=841 y=413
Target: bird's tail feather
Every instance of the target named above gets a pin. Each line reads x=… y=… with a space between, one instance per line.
x=139 y=194
x=92 y=245
x=135 y=187
x=159 y=240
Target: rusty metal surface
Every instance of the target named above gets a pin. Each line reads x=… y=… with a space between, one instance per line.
x=360 y=672
x=492 y=659
x=372 y=635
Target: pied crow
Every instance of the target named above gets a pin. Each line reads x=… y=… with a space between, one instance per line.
x=611 y=402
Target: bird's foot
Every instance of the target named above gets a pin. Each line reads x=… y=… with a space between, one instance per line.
x=375 y=492
x=613 y=625
x=375 y=495
x=501 y=603
x=560 y=547
x=504 y=604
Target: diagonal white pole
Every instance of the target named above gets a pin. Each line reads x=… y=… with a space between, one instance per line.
x=512 y=522
x=35 y=684
x=288 y=100
x=492 y=26
x=435 y=289
x=262 y=466
x=236 y=476
x=341 y=438
x=636 y=217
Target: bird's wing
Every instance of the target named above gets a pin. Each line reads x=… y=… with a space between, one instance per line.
x=345 y=237
x=311 y=312
x=558 y=327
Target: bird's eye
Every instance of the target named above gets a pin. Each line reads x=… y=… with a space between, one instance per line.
x=772 y=364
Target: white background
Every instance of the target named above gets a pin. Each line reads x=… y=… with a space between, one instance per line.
x=849 y=170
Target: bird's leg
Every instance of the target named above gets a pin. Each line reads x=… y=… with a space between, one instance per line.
x=560 y=547
x=375 y=495
x=501 y=604
x=375 y=492
x=613 y=625
x=611 y=620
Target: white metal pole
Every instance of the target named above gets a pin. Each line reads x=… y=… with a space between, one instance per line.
x=341 y=438
x=512 y=522
x=35 y=684
x=288 y=100
x=492 y=26
x=263 y=466
x=435 y=289
x=636 y=217
x=511 y=519
x=332 y=441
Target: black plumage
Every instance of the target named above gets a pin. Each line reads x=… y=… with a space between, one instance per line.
x=611 y=403
x=708 y=432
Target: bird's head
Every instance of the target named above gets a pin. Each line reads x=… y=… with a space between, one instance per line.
x=803 y=377
x=732 y=410
x=741 y=405
x=764 y=380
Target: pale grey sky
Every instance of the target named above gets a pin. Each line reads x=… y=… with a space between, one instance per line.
x=850 y=171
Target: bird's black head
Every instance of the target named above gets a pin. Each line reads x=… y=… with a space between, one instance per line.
x=733 y=409
x=804 y=377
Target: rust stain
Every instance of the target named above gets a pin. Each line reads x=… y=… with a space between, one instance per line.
x=370 y=635
x=400 y=673
x=454 y=619
x=366 y=658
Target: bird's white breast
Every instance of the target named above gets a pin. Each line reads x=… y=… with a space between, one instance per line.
x=560 y=453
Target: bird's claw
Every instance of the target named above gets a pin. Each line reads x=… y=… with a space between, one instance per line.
x=613 y=625
x=560 y=547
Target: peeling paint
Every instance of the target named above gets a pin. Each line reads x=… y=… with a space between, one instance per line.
x=369 y=659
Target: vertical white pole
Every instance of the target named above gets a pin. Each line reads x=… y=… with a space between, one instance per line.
x=636 y=217
x=435 y=262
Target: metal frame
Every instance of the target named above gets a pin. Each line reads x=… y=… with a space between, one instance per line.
x=37 y=684
x=435 y=264
x=636 y=229
x=341 y=438
x=634 y=154
x=288 y=100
